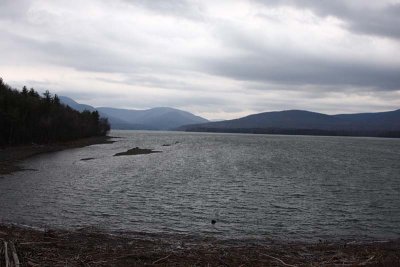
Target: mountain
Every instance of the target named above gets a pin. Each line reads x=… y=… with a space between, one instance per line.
x=156 y=118
x=114 y=122
x=151 y=119
x=306 y=122
x=388 y=121
x=73 y=104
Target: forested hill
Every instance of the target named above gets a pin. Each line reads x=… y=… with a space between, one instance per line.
x=26 y=117
x=381 y=124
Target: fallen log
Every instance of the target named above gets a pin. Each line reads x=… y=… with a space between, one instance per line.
x=6 y=254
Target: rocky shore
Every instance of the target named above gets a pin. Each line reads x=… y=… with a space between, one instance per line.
x=91 y=247
x=10 y=157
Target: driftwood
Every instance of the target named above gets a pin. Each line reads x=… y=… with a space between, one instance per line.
x=35 y=243
x=6 y=254
x=15 y=255
x=160 y=260
x=279 y=260
x=30 y=263
x=1 y=253
x=367 y=261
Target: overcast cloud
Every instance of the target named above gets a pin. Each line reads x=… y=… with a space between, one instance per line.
x=218 y=59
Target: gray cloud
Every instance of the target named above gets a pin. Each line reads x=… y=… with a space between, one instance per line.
x=82 y=56
x=283 y=68
x=381 y=20
x=175 y=8
x=152 y=81
x=286 y=65
x=14 y=9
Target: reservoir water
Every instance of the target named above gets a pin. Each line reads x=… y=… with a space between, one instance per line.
x=254 y=186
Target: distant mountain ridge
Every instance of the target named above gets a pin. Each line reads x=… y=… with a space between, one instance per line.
x=385 y=124
x=162 y=118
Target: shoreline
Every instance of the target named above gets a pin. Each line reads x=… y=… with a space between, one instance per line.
x=11 y=157
x=93 y=247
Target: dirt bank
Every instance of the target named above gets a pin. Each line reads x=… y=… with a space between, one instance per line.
x=89 y=247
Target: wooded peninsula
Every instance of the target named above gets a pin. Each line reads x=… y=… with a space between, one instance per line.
x=28 y=118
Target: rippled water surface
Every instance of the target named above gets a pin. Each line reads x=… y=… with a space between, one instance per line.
x=255 y=186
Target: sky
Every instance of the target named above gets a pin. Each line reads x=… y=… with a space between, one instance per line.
x=218 y=59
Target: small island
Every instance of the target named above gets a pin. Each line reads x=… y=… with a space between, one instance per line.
x=86 y=159
x=137 y=151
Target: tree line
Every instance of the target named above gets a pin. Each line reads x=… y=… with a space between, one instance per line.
x=26 y=117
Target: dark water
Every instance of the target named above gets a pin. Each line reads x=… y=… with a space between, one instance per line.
x=255 y=186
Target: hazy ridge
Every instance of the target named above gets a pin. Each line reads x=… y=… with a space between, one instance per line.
x=161 y=118
x=385 y=124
